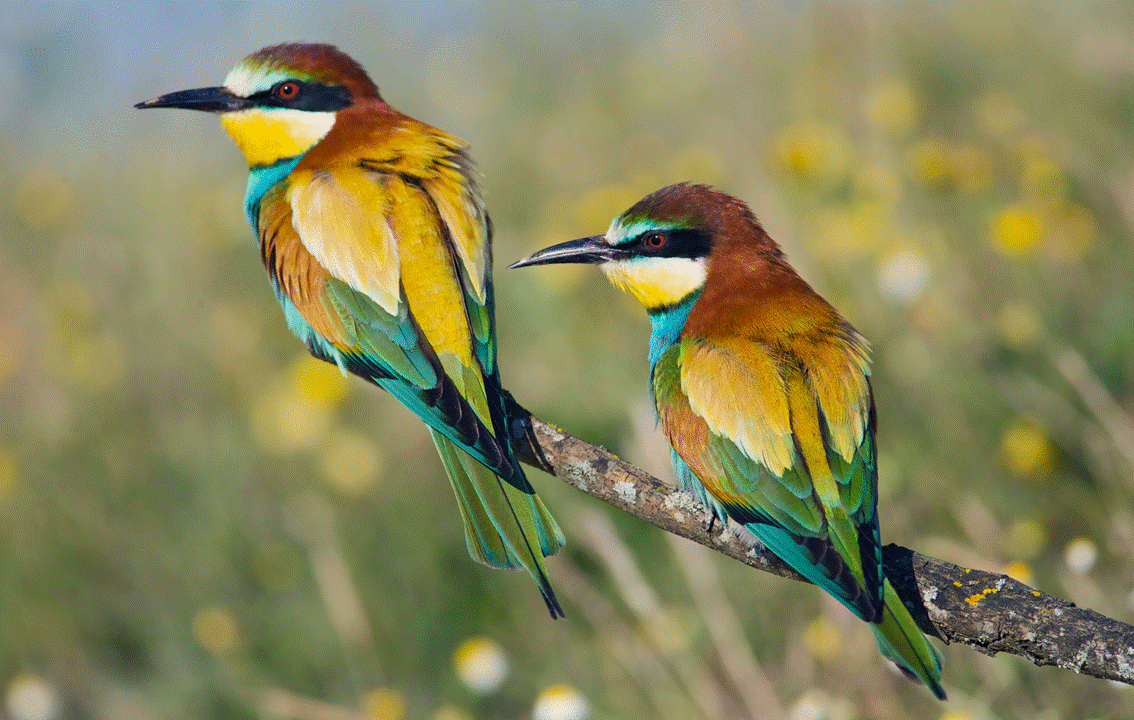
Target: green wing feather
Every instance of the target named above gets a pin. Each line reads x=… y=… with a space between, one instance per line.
x=375 y=261
x=828 y=533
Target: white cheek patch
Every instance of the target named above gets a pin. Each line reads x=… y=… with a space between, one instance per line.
x=657 y=282
x=244 y=82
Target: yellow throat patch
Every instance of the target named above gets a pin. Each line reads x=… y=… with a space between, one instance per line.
x=267 y=135
x=659 y=281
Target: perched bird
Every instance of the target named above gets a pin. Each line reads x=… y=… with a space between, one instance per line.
x=763 y=392
x=375 y=237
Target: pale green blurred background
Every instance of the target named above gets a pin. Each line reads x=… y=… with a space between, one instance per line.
x=196 y=521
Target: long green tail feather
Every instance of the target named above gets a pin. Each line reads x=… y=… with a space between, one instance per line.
x=504 y=527
x=902 y=641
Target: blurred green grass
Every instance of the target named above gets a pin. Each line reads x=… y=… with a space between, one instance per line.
x=198 y=521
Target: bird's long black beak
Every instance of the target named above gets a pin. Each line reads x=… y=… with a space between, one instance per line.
x=210 y=99
x=592 y=250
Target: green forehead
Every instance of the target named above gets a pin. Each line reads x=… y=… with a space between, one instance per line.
x=631 y=224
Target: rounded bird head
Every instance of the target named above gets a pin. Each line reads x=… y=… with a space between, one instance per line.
x=280 y=101
x=659 y=249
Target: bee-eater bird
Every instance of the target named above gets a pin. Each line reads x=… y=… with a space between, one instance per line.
x=763 y=392
x=375 y=237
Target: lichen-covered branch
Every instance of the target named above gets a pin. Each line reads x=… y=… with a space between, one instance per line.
x=990 y=611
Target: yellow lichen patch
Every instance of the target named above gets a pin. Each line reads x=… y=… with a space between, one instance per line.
x=974 y=599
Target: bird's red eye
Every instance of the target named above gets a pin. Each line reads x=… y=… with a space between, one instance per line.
x=655 y=240
x=288 y=90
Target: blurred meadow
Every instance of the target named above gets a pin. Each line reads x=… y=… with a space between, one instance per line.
x=199 y=521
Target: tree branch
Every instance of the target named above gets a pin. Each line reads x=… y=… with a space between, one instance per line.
x=989 y=611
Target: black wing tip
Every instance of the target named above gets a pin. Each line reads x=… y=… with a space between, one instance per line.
x=929 y=681
x=867 y=607
x=550 y=600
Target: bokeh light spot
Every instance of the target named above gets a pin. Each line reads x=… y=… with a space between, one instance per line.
x=481 y=663
x=812 y=152
x=350 y=462
x=276 y=565
x=30 y=697
x=893 y=106
x=1016 y=230
x=44 y=200
x=929 y=162
x=822 y=638
x=904 y=275
x=666 y=631
x=215 y=629
x=319 y=381
x=561 y=702
x=1026 y=450
x=384 y=704
x=1072 y=235
x=1081 y=554
x=1042 y=180
x=284 y=422
x=818 y=705
x=1019 y=571
x=451 y=712
x=9 y=473
x=1018 y=324
x=1025 y=538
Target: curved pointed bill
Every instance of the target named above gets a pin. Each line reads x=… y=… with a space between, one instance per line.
x=210 y=99
x=591 y=250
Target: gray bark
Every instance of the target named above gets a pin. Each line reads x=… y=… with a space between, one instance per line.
x=989 y=611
